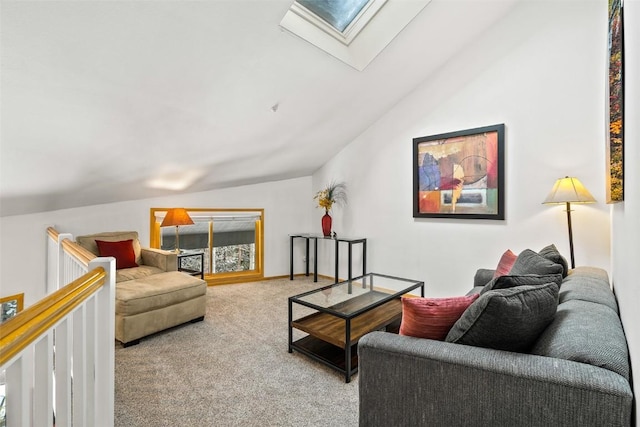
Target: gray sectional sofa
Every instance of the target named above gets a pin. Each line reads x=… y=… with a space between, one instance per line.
x=576 y=373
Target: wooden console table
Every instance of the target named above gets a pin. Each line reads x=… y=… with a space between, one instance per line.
x=315 y=237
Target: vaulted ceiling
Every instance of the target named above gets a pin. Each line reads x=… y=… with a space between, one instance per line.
x=108 y=101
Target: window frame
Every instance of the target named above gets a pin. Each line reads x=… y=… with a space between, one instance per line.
x=227 y=277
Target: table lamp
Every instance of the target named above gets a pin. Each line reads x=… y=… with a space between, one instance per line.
x=177 y=217
x=569 y=190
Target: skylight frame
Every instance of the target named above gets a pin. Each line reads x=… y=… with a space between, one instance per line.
x=377 y=24
x=354 y=28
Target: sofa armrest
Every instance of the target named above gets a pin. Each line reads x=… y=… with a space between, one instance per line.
x=406 y=381
x=482 y=276
x=164 y=260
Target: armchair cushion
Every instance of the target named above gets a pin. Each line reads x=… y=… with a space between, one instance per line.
x=135 y=273
x=150 y=261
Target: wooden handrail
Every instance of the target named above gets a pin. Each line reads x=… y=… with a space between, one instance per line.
x=27 y=326
x=81 y=254
x=72 y=248
x=53 y=233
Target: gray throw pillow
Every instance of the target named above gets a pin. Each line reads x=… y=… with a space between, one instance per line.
x=552 y=254
x=507 y=319
x=529 y=262
x=511 y=281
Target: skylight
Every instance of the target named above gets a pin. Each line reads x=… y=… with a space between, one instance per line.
x=354 y=31
x=338 y=13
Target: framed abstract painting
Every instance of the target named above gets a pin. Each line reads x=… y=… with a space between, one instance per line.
x=459 y=174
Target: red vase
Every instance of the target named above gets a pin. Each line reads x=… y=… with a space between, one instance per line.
x=326 y=224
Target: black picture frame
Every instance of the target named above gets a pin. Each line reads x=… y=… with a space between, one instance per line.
x=460 y=174
x=614 y=148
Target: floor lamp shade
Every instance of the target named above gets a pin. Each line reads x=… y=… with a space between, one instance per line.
x=569 y=190
x=176 y=217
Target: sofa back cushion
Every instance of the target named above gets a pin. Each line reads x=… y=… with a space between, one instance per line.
x=507 y=319
x=587 y=288
x=89 y=242
x=586 y=332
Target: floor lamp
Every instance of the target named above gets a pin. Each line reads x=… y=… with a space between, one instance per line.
x=569 y=190
x=177 y=217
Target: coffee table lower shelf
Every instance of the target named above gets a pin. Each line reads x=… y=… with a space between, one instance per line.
x=327 y=339
x=327 y=354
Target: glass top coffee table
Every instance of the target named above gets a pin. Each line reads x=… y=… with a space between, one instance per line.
x=343 y=313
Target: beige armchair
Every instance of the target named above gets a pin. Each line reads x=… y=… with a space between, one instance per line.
x=150 y=261
x=152 y=296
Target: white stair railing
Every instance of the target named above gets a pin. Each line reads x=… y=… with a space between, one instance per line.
x=59 y=353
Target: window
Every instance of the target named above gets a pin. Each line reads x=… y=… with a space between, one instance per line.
x=231 y=240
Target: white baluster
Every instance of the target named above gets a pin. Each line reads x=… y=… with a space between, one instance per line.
x=79 y=366
x=105 y=336
x=43 y=381
x=18 y=389
x=63 y=353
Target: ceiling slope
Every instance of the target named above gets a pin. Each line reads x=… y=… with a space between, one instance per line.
x=110 y=101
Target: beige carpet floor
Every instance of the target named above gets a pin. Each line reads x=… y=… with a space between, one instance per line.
x=232 y=369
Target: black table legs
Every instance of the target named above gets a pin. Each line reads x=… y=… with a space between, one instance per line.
x=337 y=241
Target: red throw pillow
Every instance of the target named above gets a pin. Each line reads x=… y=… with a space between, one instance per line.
x=432 y=317
x=504 y=265
x=122 y=251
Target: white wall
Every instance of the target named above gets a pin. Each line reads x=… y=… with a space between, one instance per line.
x=542 y=72
x=23 y=245
x=626 y=215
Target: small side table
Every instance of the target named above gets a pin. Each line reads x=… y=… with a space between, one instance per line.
x=192 y=267
x=315 y=237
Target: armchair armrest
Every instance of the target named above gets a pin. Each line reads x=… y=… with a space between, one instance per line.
x=164 y=260
x=406 y=381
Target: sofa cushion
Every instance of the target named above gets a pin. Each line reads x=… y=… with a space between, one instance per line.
x=89 y=241
x=529 y=262
x=551 y=253
x=432 y=317
x=505 y=263
x=157 y=291
x=589 y=289
x=586 y=332
x=122 y=251
x=507 y=319
x=511 y=281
